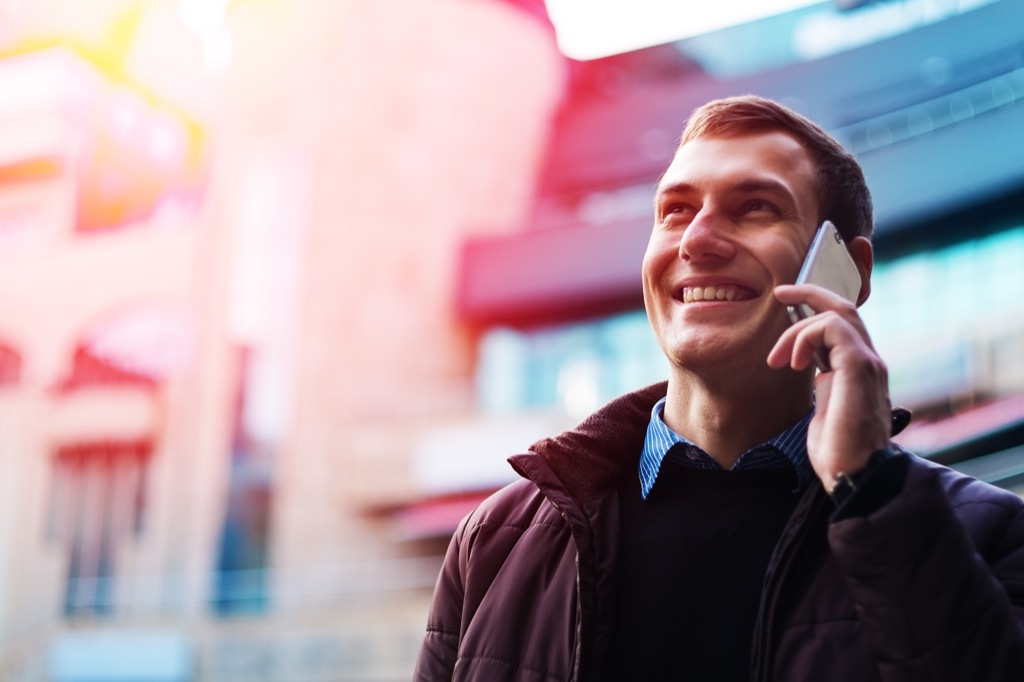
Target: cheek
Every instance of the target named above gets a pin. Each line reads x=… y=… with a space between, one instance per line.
x=784 y=259
x=649 y=271
x=656 y=288
x=793 y=261
x=650 y=290
x=660 y=254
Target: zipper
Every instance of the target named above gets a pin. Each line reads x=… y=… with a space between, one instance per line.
x=774 y=580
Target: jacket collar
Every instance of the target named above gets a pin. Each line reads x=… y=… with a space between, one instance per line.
x=590 y=459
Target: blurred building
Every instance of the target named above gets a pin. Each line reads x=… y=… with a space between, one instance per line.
x=104 y=363
x=228 y=235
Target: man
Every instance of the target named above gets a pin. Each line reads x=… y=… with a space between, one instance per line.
x=750 y=519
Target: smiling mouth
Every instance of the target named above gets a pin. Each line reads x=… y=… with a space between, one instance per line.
x=722 y=292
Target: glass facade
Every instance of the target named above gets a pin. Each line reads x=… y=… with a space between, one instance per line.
x=576 y=367
x=940 y=317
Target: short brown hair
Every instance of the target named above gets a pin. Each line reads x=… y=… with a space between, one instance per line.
x=843 y=194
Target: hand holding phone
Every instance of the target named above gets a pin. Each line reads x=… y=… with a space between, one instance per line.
x=827 y=264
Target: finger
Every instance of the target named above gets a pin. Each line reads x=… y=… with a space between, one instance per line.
x=809 y=340
x=817 y=297
x=827 y=331
x=782 y=352
x=786 y=351
x=822 y=300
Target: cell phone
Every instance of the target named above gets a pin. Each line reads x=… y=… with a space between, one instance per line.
x=828 y=264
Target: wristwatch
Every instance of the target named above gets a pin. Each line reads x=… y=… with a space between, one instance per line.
x=847 y=484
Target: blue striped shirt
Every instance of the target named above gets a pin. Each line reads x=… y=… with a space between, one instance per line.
x=789 y=448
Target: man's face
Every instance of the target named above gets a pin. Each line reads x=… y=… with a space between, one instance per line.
x=733 y=218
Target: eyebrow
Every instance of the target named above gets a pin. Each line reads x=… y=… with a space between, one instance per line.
x=749 y=185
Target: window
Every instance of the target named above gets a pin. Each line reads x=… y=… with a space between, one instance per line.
x=939 y=317
x=575 y=368
x=97 y=502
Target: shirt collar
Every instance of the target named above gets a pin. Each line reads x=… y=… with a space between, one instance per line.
x=660 y=438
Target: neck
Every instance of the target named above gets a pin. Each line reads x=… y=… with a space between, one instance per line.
x=728 y=417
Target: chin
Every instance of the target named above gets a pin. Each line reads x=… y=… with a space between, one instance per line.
x=721 y=353
x=697 y=356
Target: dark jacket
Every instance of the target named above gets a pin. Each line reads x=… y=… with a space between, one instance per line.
x=928 y=587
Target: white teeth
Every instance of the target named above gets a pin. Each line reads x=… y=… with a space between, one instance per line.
x=725 y=292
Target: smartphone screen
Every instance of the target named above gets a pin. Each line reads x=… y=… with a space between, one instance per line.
x=828 y=264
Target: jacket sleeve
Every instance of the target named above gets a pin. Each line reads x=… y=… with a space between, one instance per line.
x=439 y=650
x=937 y=575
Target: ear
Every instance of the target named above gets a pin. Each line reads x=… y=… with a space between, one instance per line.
x=863 y=255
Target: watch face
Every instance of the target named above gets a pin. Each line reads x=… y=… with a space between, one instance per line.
x=843 y=488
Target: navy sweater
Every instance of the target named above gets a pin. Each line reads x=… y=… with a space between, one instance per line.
x=691 y=566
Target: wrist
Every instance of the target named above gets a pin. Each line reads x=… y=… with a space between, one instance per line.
x=845 y=484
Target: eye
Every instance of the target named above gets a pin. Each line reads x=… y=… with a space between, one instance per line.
x=676 y=208
x=760 y=206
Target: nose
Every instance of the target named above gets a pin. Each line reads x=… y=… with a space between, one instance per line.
x=707 y=237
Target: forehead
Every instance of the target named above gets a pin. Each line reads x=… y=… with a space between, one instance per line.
x=770 y=155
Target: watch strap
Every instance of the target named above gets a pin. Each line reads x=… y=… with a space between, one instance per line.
x=848 y=484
